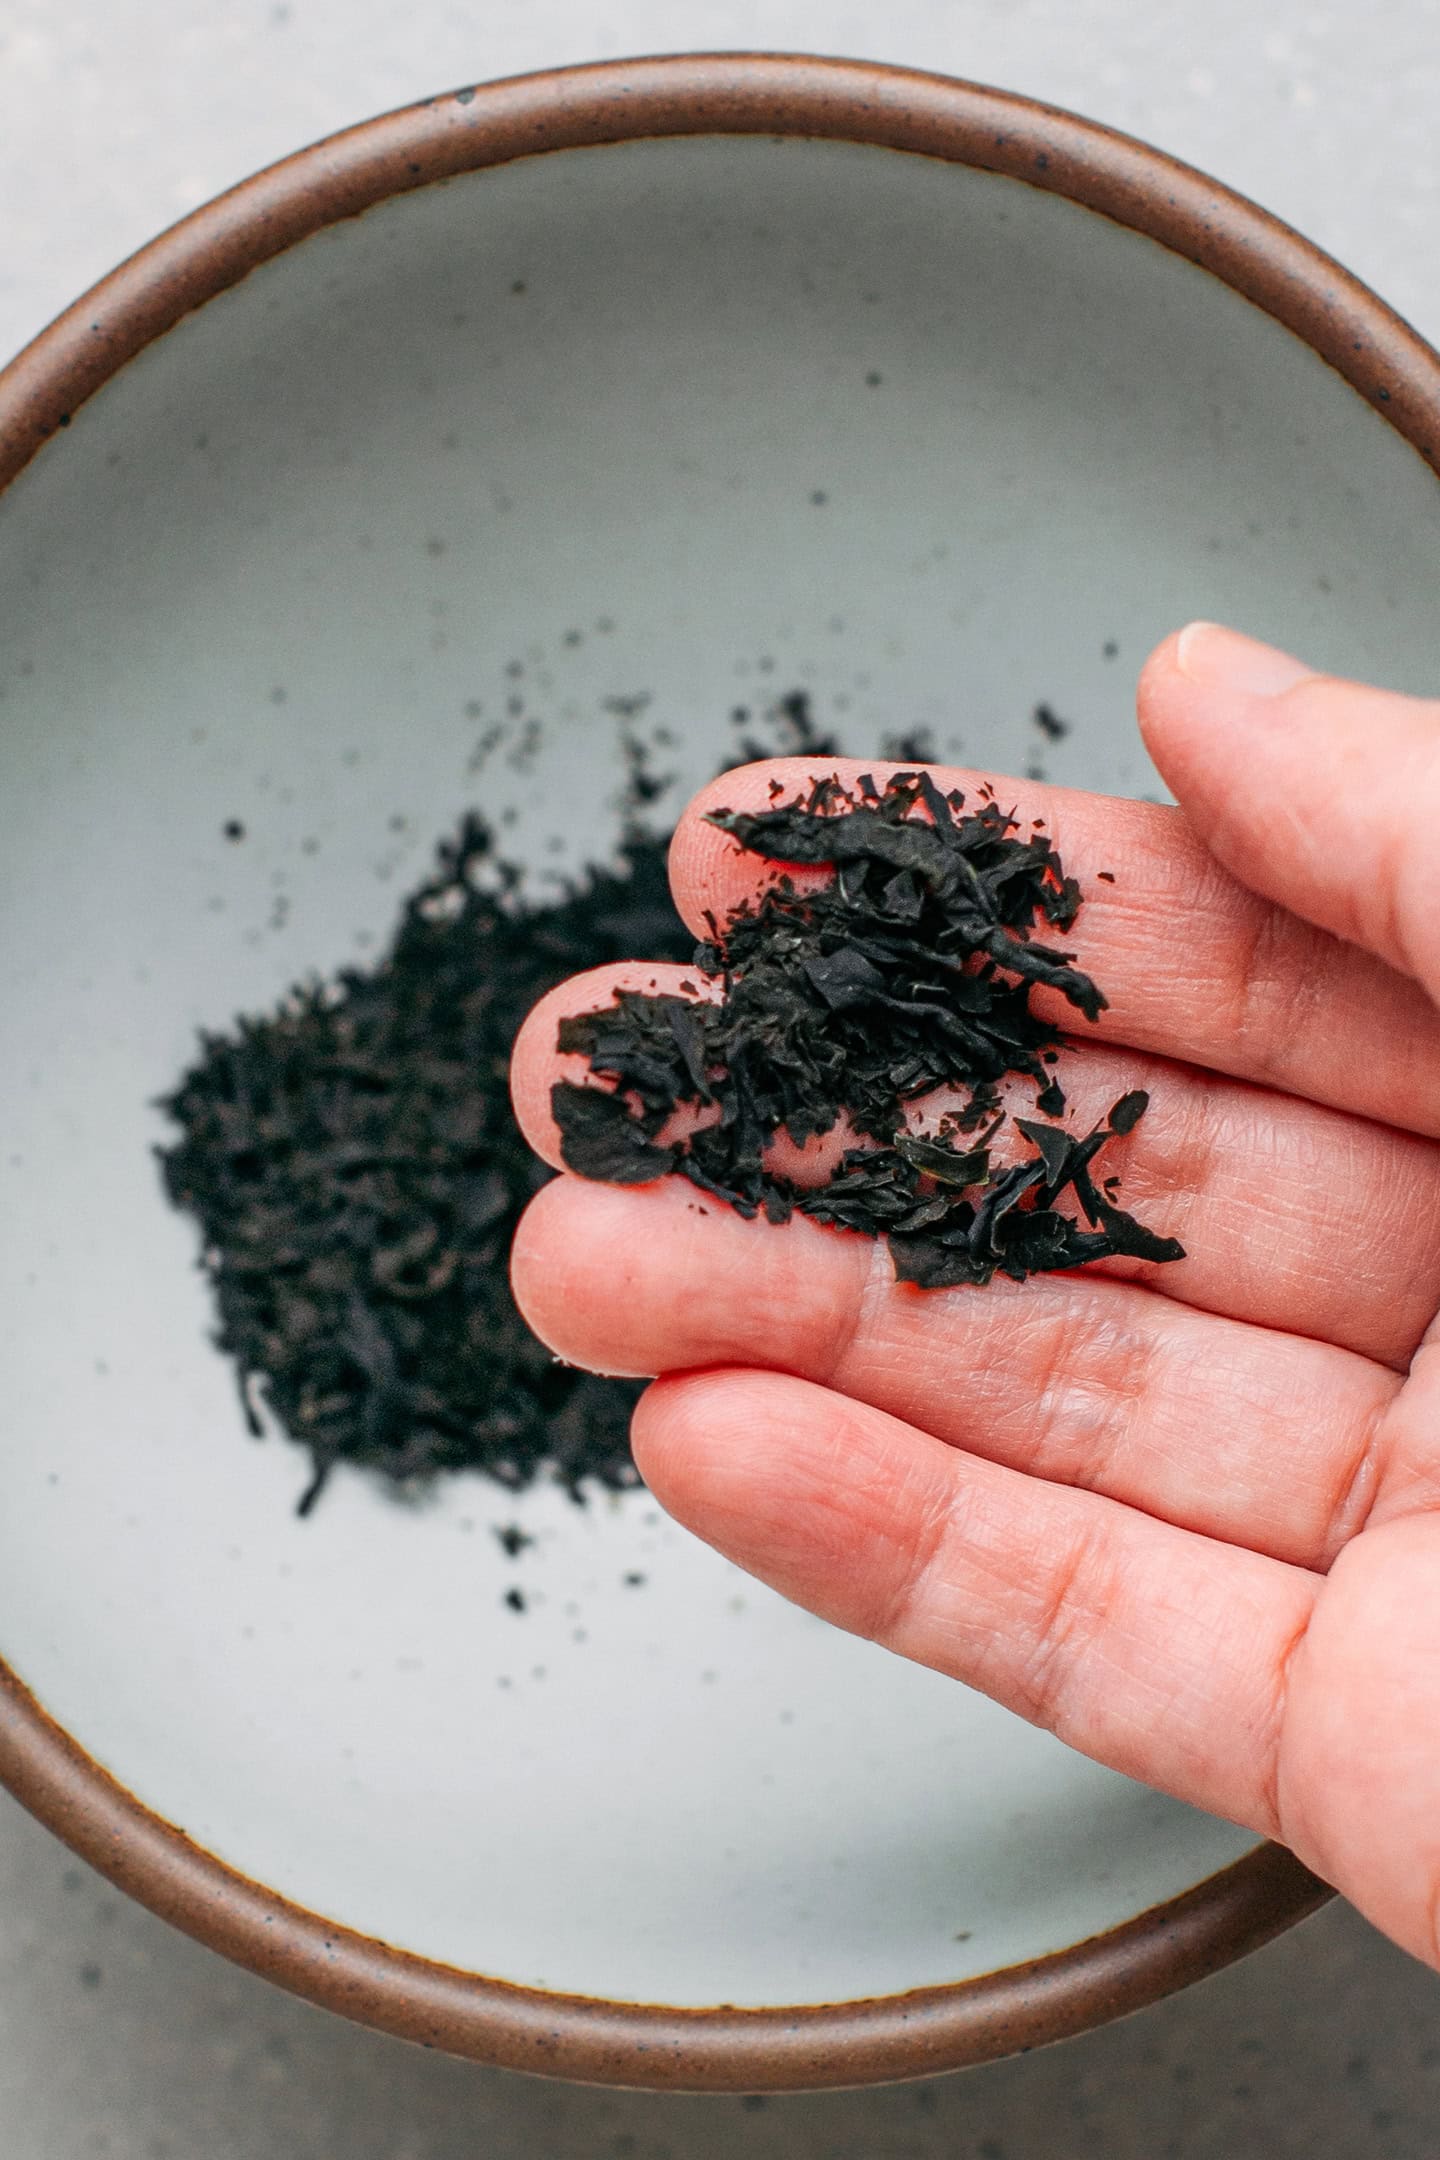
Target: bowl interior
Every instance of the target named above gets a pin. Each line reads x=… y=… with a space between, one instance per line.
x=691 y=421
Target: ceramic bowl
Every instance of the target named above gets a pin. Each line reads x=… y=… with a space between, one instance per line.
x=697 y=380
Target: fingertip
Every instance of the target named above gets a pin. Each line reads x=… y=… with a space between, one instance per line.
x=1167 y=700
x=539 y=1235
x=1314 y=790
x=1190 y=713
x=710 y=873
x=657 y=1430
x=568 y=1276
x=672 y=1405
x=1211 y=656
x=1157 y=674
x=1209 y=677
x=822 y=1497
x=536 y=1062
x=706 y=1444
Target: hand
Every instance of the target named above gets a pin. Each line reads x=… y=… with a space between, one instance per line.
x=1188 y=1517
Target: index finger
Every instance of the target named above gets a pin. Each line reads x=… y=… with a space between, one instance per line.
x=1193 y=965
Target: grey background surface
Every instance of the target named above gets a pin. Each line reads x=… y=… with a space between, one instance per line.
x=117 y=2037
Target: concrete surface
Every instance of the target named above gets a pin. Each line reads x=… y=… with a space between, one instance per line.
x=116 y=2036
x=119 y=2038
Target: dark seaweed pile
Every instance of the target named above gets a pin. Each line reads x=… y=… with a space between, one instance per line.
x=910 y=971
x=357 y=1175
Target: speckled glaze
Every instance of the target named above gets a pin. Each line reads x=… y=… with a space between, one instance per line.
x=696 y=378
x=722 y=2049
x=473 y=127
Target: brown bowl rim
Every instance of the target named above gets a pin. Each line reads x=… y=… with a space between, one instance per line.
x=723 y=2048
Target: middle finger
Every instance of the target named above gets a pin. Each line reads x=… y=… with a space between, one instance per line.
x=1240 y=1433
x=1293 y=1216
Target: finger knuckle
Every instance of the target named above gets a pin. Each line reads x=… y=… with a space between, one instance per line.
x=1070 y=1599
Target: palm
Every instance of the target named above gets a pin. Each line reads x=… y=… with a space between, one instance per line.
x=1186 y=1517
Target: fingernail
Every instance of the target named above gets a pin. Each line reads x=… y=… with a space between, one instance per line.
x=1220 y=659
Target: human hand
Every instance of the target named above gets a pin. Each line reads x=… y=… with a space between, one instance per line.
x=1188 y=1517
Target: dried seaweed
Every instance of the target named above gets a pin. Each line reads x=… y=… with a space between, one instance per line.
x=357 y=1175
x=910 y=971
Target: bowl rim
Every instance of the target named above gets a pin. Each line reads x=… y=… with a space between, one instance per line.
x=719 y=2048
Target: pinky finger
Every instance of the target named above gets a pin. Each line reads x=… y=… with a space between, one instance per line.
x=1151 y=1649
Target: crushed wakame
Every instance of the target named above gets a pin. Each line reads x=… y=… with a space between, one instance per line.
x=357 y=1174
x=909 y=971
